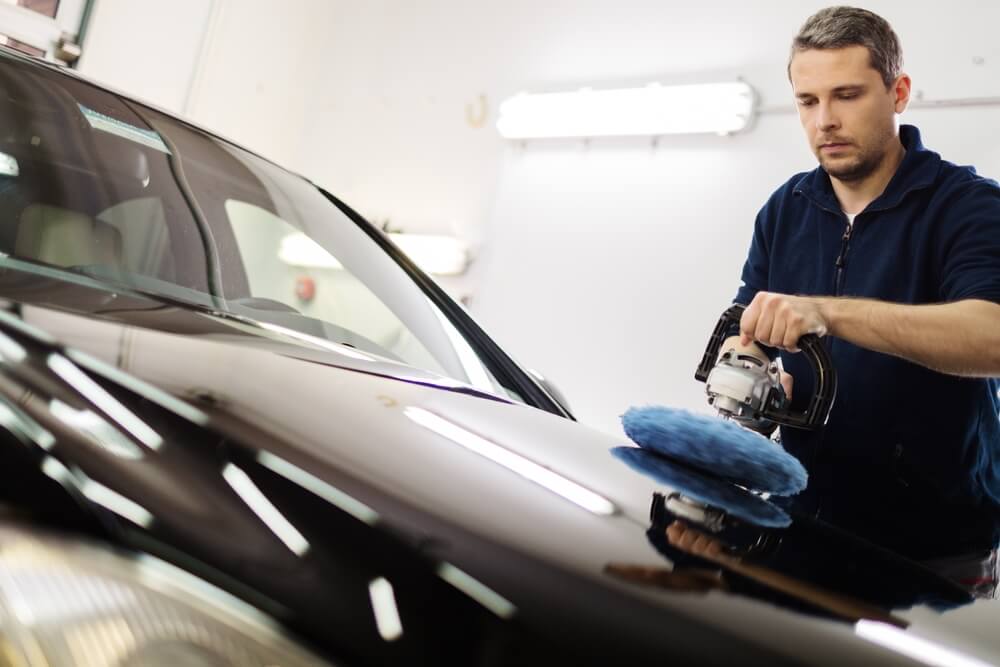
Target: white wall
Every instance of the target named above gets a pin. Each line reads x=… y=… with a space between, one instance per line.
x=261 y=63
x=245 y=68
x=604 y=265
x=148 y=48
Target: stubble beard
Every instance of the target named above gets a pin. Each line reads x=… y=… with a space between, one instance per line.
x=855 y=170
x=862 y=166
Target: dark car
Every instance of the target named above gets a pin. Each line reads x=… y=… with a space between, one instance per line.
x=204 y=464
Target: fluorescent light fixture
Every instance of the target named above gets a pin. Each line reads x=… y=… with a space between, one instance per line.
x=326 y=491
x=914 y=647
x=720 y=108
x=79 y=380
x=386 y=613
x=439 y=255
x=476 y=590
x=514 y=462
x=262 y=507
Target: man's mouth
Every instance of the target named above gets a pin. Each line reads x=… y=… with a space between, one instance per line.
x=833 y=146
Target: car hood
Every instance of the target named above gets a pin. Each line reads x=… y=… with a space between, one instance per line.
x=382 y=469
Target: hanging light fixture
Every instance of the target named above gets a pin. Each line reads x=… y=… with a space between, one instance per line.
x=719 y=108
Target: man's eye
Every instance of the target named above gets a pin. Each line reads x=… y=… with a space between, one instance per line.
x=847 y=96
x=807 y=103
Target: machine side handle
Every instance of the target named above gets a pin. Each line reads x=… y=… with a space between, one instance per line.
x=824 y=387
x=730 y=317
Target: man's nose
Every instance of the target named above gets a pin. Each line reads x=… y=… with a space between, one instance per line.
x=826 y=119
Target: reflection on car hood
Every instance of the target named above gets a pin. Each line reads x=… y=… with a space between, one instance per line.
x=502 y=528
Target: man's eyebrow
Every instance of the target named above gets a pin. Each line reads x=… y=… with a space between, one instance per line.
x=839 y=90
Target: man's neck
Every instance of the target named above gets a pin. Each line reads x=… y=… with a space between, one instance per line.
x=854 y=196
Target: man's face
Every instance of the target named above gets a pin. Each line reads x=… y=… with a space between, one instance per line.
x=845 y=109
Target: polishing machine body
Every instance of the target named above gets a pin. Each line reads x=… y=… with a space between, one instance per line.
x=748 y=390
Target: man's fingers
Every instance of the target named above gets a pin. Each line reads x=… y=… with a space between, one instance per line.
x=765 y=323
x=778 y=332
x=701 y=544
x=748 y=322
x=791 y=339
x=779 y=320
x=691 y=540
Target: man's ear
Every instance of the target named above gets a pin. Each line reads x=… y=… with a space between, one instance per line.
x=901 y=92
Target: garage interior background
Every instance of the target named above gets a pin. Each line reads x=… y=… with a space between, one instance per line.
x=602 y=264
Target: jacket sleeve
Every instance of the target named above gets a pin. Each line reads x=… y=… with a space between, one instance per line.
x=970 y=263
x=756 y=268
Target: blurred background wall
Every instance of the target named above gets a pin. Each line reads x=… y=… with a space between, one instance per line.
x=603 y=264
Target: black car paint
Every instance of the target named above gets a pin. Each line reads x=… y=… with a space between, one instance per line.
x=201 y=525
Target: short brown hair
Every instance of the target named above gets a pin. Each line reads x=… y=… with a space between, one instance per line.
x=840 y=27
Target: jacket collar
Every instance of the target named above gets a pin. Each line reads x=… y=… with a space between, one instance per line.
x=918 y=169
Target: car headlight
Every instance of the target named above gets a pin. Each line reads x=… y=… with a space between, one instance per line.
x=65 y=601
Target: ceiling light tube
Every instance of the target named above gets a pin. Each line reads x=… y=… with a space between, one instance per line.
x=720 y=108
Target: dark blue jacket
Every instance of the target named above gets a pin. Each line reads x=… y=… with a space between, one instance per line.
x=910 y=457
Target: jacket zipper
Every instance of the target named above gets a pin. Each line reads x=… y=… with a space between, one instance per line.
x=845 y=244
x=840 y=263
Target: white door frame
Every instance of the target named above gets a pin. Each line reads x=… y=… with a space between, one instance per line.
x=40 y=31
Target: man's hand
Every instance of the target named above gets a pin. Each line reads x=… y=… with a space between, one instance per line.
x=779 y=320
x=693 y=541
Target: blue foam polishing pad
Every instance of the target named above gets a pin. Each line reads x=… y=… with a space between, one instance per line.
x=716 y=446
x=735 y=501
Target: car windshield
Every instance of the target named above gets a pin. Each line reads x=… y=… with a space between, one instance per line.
x=98 y=186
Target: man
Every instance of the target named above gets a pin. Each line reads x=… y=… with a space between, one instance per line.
x=894 y=255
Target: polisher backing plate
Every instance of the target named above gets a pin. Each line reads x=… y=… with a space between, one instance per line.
x=735 y=501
